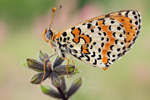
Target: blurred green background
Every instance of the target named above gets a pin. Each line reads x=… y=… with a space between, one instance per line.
x=22 y=23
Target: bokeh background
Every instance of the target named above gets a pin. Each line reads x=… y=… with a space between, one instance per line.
x=22 y=23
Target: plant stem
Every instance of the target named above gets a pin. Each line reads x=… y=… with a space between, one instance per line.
x=62 y=94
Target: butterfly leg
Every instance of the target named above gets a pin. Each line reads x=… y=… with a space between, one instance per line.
x=67 y=65
x=46 y=63
x=74 y=63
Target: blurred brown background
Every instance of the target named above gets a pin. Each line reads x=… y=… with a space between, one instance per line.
x=22 y=23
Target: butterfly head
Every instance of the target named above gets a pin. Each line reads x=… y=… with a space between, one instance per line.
x=48 y=35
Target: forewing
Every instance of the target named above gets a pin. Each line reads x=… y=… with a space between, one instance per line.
x=100 y=41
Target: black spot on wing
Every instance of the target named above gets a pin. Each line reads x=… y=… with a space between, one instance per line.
x=95 y=62
x=93 y=55
x=64 y=39
x=64 y=34
x=108 y=54
x=99 y=50
x=91 y=47
x=99 y=28
x=92 y=30
x=108 y=15
x=111 y=47
x=88 y=26
x=99 y=58
x=75 y=51
x=88 y=58
x=127 y=13
x=72 y=28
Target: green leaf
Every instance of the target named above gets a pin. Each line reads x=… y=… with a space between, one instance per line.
x=24 y=64
x=74 y=86
x=36 y=65
x=55 y=80
x=49 y=91
x=36 y=79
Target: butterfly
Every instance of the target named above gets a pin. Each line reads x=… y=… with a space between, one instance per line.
x=99 y=41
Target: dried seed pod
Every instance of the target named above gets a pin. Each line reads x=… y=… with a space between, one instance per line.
x=35 y=65
x=58 y=61
x=43 y=55
x=36 y=79
x=55 y=79
x=50 y=91
x=62 y=69
x=74 y=86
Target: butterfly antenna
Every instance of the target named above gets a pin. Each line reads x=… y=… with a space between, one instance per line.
x=53 y=16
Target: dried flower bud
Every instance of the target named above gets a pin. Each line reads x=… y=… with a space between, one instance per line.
x=36 y=65
x=49 y=91
x=43 y=55
x=62 y=69
x=74 y=86
x=58 y=61
x=55 y=79
x=36 y=79
x=63 y=84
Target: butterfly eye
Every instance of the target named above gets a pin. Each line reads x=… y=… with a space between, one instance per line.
x=45 y=36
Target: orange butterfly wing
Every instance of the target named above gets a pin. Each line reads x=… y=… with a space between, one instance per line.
x=102 y=40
